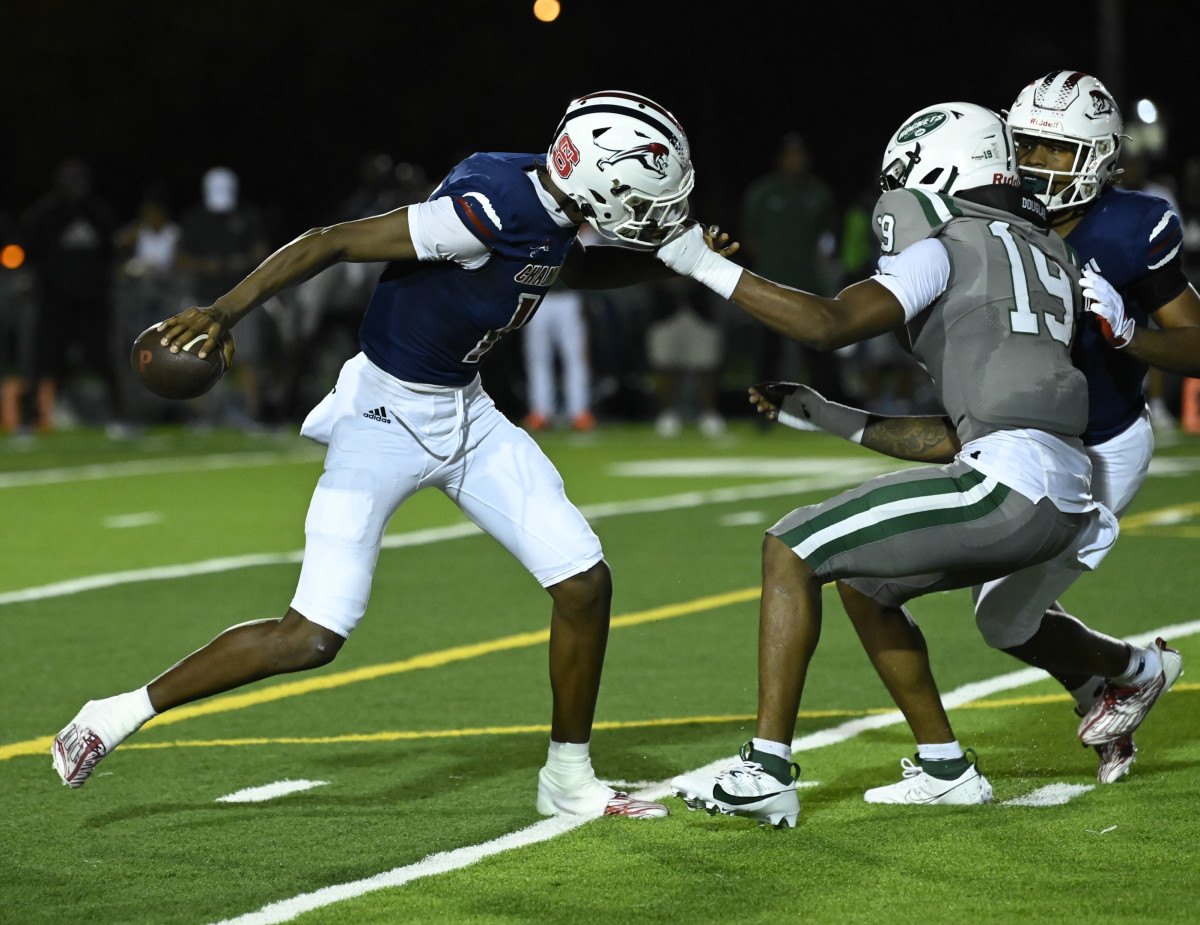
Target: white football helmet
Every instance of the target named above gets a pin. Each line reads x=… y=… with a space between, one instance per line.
x=1070 y=107
x=625 y=161
x=948 y=148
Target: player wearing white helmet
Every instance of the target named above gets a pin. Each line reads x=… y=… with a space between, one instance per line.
x=1067 y=130
x=985 y=296
x=625 y=162
x=463 y=268
x=1074 y=117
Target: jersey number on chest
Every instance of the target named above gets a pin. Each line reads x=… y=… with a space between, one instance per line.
x=1054 y=281
x=527 y=304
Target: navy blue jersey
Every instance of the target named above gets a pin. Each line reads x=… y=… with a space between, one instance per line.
x=433 y=321
x=1133 y=240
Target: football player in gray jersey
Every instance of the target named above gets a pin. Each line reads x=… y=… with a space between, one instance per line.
x=985 y=296
x=1067 y=130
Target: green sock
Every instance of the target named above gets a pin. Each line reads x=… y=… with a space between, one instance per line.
x=944 y=770
x=777 y=767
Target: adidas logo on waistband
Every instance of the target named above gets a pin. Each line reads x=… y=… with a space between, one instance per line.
x=379 y=414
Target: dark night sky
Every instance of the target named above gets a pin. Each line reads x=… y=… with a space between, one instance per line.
x=291 y=94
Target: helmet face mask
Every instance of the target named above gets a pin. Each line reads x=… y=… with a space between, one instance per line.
x=948 y=148
x=1074 y=109
x=625 y=162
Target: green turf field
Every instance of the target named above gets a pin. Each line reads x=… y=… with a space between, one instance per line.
x=418 y=748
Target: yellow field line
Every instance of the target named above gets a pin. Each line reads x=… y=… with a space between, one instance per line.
x=372 y=672
x=415 y=734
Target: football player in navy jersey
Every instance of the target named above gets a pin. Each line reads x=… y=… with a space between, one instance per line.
x=462 y=269
x=1067 y=129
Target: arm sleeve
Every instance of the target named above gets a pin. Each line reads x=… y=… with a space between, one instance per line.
x=439 y=234
x=917 y=275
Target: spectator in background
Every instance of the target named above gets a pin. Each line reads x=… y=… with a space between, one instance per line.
x=788 y=234
x=68 y=236
x=685 y=348
x=223 y=239
x=148 y=252
x=16 y=319
x=148 y=284
x=558 y=332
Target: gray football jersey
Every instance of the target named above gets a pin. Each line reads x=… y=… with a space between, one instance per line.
x=997 y=342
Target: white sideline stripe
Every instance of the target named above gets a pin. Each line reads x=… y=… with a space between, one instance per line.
x=269 y=791
x=422 y=537
x=440 y=863
x=446 y=861
x=139 y=467
x=1050 y=795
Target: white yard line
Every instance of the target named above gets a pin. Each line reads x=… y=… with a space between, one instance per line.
x=443 y=862
x=446 y=861
x=138 y=467
x=270 y=791
x=433 y=535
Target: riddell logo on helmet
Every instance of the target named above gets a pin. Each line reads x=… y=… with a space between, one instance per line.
x=1004 y=180
x=921 y=126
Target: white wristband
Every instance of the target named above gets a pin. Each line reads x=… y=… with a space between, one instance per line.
x=689 y=255
x=718 y=273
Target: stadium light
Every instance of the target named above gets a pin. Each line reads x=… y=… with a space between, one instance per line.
x=1146 y=111
x=546 y=10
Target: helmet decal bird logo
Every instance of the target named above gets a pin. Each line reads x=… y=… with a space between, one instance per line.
x=654 y=156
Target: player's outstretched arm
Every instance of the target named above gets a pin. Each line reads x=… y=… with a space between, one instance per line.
x=378 y=238
x=858 y=312
x=611 y=266
x=916 y=438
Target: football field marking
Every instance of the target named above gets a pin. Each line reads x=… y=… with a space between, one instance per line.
x=443 y=862
x=1052 y=795
x=270 y=791
x=662 y=503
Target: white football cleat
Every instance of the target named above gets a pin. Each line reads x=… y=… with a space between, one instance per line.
x=1120 y=710
x=593 y=799
x=1115 y=759
x=746 y=789
x=922 y=789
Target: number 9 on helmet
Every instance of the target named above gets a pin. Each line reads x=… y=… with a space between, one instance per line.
x=625 y=162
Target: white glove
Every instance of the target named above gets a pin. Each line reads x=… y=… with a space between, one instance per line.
x=802 y=408
x=688 y=254
x=1106 y=304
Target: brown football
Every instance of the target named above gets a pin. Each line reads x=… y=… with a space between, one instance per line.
x=175 y=375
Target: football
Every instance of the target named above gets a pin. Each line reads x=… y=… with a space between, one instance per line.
x=175 y=375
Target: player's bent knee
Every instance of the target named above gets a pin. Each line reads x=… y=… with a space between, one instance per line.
x=585 y=591
x=300 y=644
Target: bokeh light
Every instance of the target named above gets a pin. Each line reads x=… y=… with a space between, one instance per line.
x=11 y=257
x=546 y=10
x=1147 y=111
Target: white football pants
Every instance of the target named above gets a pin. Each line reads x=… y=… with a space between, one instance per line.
x=388 y=440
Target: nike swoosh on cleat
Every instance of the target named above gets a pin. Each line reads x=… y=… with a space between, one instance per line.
x=720 y=794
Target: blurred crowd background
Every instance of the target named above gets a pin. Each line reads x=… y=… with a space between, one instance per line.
x=156 y=153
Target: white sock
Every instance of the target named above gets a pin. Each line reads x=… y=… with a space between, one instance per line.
x=1087 y=694
x=120 y=716
x=942 y=751
x=569 y=771
x=1144 y=664
x=570 y=763
x=778 y=749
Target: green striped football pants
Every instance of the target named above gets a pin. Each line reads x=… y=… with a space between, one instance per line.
x=926 y=529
